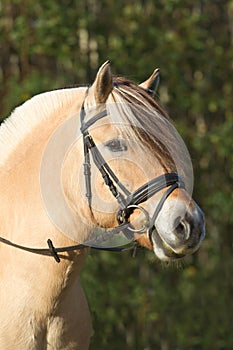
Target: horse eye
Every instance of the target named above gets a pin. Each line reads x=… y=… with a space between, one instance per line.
x=116 y=145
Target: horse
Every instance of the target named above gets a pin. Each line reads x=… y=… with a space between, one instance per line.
x=84 y=167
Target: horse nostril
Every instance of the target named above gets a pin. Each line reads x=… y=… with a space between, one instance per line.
x=182 y=230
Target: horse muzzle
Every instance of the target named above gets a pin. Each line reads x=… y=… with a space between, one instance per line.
x=177 y=232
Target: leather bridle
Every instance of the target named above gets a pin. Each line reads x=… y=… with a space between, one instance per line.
x=128 y=202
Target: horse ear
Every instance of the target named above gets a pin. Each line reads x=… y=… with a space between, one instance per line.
x=103 y=85
x=151 y=84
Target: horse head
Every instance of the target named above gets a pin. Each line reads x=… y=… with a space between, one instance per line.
x=134 y=171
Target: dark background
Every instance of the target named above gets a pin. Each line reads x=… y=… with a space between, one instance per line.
x=141 y=304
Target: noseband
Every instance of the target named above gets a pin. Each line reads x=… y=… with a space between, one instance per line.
x=128 y=202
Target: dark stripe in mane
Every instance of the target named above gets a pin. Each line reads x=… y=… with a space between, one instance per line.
x=147 y=120
x=119 y=82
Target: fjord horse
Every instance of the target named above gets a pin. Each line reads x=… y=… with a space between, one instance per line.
x=41 y=301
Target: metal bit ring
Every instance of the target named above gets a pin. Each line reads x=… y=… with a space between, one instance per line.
x=147 y=217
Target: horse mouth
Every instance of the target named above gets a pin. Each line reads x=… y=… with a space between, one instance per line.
x=162 y=249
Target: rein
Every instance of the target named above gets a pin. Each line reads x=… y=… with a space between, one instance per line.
x=128 y=202
x=52 y=251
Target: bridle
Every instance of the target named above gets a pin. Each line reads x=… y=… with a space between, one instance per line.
x=128 y=202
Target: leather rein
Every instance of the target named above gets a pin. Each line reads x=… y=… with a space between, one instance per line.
x=128 y=202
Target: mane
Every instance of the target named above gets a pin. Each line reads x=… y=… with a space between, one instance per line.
x=30 y=114
x=147 y=121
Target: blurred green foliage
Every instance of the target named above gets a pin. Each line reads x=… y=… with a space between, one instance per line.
x=138 y=303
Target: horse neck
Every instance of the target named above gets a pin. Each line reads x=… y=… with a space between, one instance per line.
x=23 y=217
x=23 y=220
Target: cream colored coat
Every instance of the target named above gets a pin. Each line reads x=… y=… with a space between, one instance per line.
x=42 y=302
